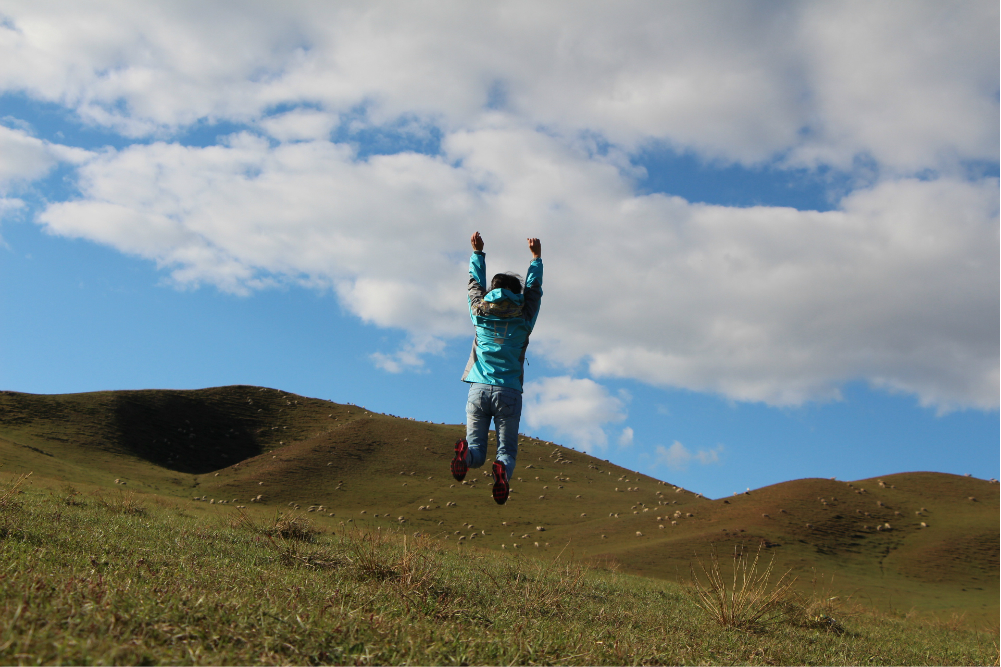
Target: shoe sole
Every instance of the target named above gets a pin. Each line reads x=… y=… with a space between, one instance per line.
x=459 y=465
x=501 y=487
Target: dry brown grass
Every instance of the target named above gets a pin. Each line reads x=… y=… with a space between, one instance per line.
x=71 y=498
x=8 y=494
x=123 y=502
x=823 y=609
x=288 y=526
x=750 y=600
x=368 y=555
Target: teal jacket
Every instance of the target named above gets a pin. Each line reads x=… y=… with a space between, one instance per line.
x=503 y=320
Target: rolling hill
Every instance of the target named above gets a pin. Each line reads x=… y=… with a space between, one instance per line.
x=920 y=540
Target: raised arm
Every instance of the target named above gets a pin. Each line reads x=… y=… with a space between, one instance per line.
x=477 y=273
x=533 y=283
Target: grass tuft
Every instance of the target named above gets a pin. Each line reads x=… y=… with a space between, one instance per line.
x=287 y=526
x=822 y=610
x=8 y=494
x=295 y=553
x=123 y=502
x=71 y=497
x=750 y=601
x=368 y=555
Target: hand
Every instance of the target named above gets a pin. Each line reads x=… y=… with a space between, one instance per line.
x=535 y=245
x=477 y=242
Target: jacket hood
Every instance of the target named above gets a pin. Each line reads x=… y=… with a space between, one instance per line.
x=502 y=303
x=500 y=294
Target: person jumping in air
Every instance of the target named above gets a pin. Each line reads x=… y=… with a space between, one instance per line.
x=504 y=318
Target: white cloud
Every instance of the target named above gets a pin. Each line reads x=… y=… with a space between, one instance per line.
x=22 y=157
x=626 y=437
x=236 y=214
x=897 y=287
x=909 y=84
x=677 y=456
x=781 y=306
x=410 y=355
x=574 y=408
x=299 y=125
x=759 y=304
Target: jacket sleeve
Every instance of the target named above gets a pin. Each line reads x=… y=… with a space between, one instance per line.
x=533 y=292
x=477 y=281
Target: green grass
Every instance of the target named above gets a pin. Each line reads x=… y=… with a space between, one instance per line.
x=233 y=444
x=125 y=578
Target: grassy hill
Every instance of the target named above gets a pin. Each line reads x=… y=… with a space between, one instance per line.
x=139 y=579
x=264 y=449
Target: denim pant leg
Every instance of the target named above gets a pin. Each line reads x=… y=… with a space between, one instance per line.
x=507 y=416
x=478 y=414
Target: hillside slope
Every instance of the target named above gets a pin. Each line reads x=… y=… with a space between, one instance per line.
x=229 y=445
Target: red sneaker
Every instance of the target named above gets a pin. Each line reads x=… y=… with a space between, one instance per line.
x=501 y=488
x=459 y=465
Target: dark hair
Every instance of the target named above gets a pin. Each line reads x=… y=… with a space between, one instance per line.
x=508 y=281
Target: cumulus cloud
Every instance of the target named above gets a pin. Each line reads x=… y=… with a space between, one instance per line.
x=538 y=107
x=677 y=456
x=908 y=84
x=22 y=157
x=903 y=83
x=410 y=356
x=761 y=304
x=577 y=408
x=626 y=437
x=237 y=214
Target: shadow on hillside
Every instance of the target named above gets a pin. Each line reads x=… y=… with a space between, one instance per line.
x=183 y=433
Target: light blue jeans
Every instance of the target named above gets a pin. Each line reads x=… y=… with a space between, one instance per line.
x=503 y=404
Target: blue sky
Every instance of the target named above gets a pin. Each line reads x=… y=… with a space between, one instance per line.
x=762 y=262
